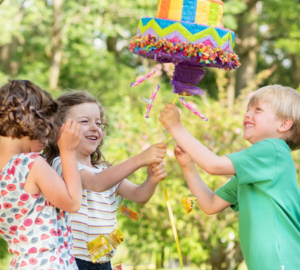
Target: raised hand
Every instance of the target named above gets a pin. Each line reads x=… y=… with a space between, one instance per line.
x=182 y=157
x=69 y=136
x=154 y=154
x=170 y=117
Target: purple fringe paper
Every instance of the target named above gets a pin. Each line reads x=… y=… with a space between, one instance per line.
x=179 y=88
x=185 y=78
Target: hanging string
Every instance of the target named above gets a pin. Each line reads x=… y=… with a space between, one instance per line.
x=170 y=209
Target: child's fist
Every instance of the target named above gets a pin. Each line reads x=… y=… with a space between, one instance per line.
x=182 y=157
x=170 y=117
x=157 y=171
x=154 y=154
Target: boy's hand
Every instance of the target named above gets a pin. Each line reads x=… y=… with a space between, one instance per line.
x=154 y=154
x=170 y=117
x=157 y=172
x=182 y=157
x=69 y=136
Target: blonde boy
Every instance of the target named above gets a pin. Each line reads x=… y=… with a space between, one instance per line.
x=264 y=187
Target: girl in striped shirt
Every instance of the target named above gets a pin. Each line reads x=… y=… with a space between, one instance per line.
x=103 y=185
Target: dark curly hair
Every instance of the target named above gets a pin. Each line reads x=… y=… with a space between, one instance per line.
x=26 y=111
x=65 y=103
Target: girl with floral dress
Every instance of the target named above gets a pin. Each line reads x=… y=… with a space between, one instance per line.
x=33 y=197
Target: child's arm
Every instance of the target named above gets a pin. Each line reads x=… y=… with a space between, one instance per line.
x=208 y=201
x=200 y=154
x=110 y=177
x=64 y=194
x=142 y=194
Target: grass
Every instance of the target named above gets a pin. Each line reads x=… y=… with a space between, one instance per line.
x=4 y=263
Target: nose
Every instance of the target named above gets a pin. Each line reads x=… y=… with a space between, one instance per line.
x=93 y=126
x=247 y=114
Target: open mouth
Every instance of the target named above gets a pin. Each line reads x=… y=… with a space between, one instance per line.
x=92 y=138
x=249 y=126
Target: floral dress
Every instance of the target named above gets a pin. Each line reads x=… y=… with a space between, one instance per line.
x=37 y=233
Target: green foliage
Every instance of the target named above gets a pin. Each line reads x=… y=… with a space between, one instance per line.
x=279 y=29
x=94 y=39
x=232 y=8
x=3 y=248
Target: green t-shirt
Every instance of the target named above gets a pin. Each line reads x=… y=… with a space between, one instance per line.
x=266 y=194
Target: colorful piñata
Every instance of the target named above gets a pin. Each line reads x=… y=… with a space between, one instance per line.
x=188 y=33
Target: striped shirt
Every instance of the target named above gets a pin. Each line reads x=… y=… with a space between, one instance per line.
x=96 y=216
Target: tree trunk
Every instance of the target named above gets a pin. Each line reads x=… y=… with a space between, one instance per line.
x=247 y=45
x=56 y=45
x=231 y=89
x=7 y=51
x=160 y=257
x=295 y=70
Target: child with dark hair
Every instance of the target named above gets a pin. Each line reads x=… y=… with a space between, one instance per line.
x=36 y=230
x=103 y=185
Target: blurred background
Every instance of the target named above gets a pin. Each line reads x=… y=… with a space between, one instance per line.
x=83 y=45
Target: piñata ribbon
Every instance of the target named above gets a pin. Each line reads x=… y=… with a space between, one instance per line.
x=169 y=135
x=172 y=223
x=185 y=104
x=170 y=209
x=144 y=78
x=151 y=100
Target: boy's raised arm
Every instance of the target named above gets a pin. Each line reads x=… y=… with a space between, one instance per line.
x=200 y=154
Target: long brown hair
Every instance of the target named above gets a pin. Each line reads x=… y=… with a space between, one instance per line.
x=65 y=103
x=26 y=110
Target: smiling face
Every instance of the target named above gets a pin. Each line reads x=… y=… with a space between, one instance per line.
x=260 y=122
x=89 y=117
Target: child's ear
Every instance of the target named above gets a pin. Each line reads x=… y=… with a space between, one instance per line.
x=286 y=125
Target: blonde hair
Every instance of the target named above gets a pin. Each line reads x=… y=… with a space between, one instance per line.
x=285 y=102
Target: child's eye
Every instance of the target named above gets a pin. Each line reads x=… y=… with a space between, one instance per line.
x=83 y=121
x=100 y=125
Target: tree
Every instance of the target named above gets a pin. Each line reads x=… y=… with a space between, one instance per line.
x=91 y=38
x=8 y=49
